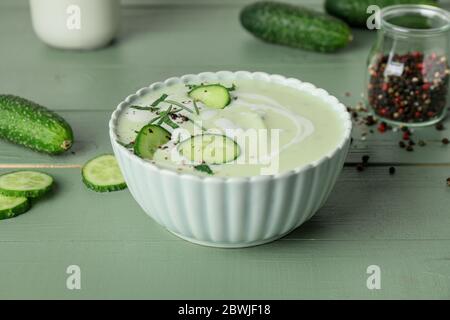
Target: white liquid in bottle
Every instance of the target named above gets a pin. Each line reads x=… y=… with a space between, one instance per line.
x=76 y=24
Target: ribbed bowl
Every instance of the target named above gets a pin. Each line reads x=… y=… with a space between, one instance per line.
x=232 y=212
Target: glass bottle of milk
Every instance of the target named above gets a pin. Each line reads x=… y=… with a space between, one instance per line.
x=76 y=24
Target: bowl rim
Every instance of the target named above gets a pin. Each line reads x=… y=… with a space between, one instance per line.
x=230 y=76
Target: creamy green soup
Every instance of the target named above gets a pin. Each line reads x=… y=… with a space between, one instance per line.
x=276 y=128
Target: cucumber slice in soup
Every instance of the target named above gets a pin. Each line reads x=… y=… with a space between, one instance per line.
x=30 y=184
x=13 y=206
x=213 y=96
x=209 y=148
x=102 y=174
x=149 y=139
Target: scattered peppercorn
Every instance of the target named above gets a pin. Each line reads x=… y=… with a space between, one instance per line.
x=365 y=159
x=422 y=143
x=401 y=144
x=359 y=167
x=370 y=120
x=405 y=136
x=440 y=127
x=445 y=141
x=448 y=182
x=392 y=170
x=409 y=148
x=411 y=143
x=382 y=127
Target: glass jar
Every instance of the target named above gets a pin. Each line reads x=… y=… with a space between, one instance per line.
x=408 y=71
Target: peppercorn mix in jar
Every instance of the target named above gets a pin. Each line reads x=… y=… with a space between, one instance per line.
x=408 y=71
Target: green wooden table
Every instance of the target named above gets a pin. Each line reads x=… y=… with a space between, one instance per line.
x=400 y=223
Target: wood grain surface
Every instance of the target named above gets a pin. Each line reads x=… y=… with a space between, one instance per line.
x=399 y=222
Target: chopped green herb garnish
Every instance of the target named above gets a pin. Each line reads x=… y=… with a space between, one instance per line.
x=232 y=88
x=179 y=105
x=161 y=120
x=126 y=145
x=150 y=108
x=154 y=120
x=197 y=111
x=170 y=123
x=204 y=168
x=159 y=100
x=165 y=117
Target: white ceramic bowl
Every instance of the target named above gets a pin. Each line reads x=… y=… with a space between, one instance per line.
x=238 y=211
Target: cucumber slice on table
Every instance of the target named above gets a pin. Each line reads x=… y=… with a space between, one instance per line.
x=213 y=96
x=102 y=174
x=209 y=148
x=149 y=139
x=13 y=206
x=30 y=184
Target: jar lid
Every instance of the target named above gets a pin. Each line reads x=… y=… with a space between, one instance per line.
x=415 y=20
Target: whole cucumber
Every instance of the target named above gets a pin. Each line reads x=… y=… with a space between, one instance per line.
x=31 y=125
x=354 y=12
x=295 y=26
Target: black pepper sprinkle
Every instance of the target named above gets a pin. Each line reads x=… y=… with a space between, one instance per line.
x=365 y=159
x=392 y=170
x=359 y=167
x=445 y=141
x=409 y=148
x=370 y=121
x=401 y=144
x=440 y=127
x=448 y=182
x=422 y=143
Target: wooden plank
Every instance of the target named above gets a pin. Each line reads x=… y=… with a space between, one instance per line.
x=397 y=222
x=92 y=138
x=371 y=205
x=148 y=39
x=77 y=79
x=150 y=49
x=173 y=270
x=217 y=3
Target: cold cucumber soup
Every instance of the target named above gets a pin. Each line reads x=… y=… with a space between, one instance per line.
x=230 y=129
